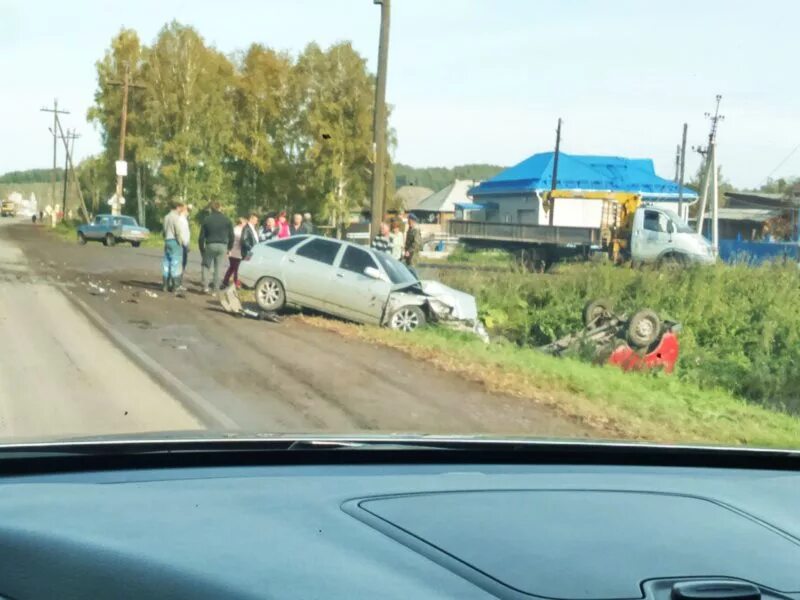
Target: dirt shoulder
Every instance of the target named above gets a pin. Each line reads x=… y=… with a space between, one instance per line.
x=285 y=377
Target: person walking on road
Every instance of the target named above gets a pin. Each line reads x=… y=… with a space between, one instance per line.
x=216 y=240
x=398 y=240
x=283 y=226
x=297 y=227
x=413 y=241
x=187 y=235
x=235 y=255
x=382 y=242
x=172 y=263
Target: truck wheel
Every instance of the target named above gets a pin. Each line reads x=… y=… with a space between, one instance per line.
x=644 y=328
x=270 y=295
x=672 y=261
x=109 y=239
x=407 y=318
x=594 y=310
x=81 y=238
x=136 y=244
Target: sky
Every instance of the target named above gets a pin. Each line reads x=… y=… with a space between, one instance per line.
x=469 y=80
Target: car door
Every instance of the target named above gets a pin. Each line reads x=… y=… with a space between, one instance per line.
x=97 y=230
x=355 y=295
x=654 y=239
x=308 y=273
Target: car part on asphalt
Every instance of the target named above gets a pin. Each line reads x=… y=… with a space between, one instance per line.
x=231 y=303
x=642 y=342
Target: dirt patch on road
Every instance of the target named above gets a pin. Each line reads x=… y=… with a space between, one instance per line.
x=286 y=377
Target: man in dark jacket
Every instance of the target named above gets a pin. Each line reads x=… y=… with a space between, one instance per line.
x=216 y=240
x=297 y=227
x=249 y=234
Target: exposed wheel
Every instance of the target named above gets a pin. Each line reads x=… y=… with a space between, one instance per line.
x=595 y=309
x=81 y=238
x=270 y=295
x=136 y=244
x=407 y=318
x=644 y=328
x=672 y=261
x=109 y=239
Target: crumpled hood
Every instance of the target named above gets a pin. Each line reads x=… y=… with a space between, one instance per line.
x=460 y=305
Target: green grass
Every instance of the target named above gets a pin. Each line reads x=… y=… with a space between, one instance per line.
x=741 y=325
x=651 y=407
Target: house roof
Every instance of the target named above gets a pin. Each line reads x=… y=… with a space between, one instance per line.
x=757 y=215
x=411 y=195
x=445 y=200
x=760 y=200
x=583 y=172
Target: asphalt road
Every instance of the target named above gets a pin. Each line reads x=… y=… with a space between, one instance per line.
x=59 y=376
x=250 y=375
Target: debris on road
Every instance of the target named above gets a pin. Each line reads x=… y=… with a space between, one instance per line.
x=150 y=294
x=229 y=299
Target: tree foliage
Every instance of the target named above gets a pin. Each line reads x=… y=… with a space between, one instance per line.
x=259 y=130
x=436 y=178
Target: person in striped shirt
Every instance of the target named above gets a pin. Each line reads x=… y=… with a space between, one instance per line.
x=383 y=242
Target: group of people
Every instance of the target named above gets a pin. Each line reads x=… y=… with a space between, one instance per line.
x=218 y=239
x=402 y=246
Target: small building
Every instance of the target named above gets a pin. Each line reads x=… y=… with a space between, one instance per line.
x=409 y=196
x=515 y=195
x=436 y=210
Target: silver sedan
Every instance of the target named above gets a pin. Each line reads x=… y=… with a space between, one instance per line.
x=352 y=282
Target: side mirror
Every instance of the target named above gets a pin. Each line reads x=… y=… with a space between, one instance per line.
x=670 y=227
x=373 y=273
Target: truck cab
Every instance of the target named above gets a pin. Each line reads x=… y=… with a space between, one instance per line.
x=659 y=235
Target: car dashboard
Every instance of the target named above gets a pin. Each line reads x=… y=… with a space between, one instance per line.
x=400 y=527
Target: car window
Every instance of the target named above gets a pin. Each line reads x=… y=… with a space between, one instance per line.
x=655 y=221
x=129 y=221
x=397 y=271
x=324 y=251
x=98 y=220
x=356 y=260
x=287 y=243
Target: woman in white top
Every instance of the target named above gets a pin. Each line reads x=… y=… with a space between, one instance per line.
x=235 y=255
x=398 y=240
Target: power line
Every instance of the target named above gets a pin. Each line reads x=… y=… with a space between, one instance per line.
x=783 y=162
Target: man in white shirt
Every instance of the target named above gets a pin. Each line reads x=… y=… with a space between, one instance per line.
x=186 y=235
x=174 y=241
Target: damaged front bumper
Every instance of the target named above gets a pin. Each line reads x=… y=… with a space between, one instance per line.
x=455 y=309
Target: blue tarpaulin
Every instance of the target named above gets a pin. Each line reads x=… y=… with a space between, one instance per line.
x=583 y=172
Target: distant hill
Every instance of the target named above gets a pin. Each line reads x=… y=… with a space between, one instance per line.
x=438 y=177
x=30 y=176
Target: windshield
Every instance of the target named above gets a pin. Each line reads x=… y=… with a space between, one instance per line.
x=512 y=167
x=397 y=271
x=678 y=222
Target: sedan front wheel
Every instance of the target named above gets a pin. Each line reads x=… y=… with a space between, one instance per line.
x=407 y=318
x=270 y=295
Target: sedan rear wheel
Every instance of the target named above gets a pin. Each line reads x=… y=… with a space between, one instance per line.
x=81 y=238
x=407 y=318
x=270 y=295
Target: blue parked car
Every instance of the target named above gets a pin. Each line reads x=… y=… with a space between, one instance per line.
x=111 y=229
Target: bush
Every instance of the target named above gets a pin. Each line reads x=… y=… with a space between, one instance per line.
x=741 y=325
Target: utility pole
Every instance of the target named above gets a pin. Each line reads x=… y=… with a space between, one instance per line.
x=554 y=177
x=710 y=176
x=55 y=112
x=126 y=84
x=682 y=171
x=379 y=124
x=677 y=162
x=72 y=169
x=71 y=136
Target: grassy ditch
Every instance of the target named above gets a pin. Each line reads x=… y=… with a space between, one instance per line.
x=614 y=404
x=741 y=325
